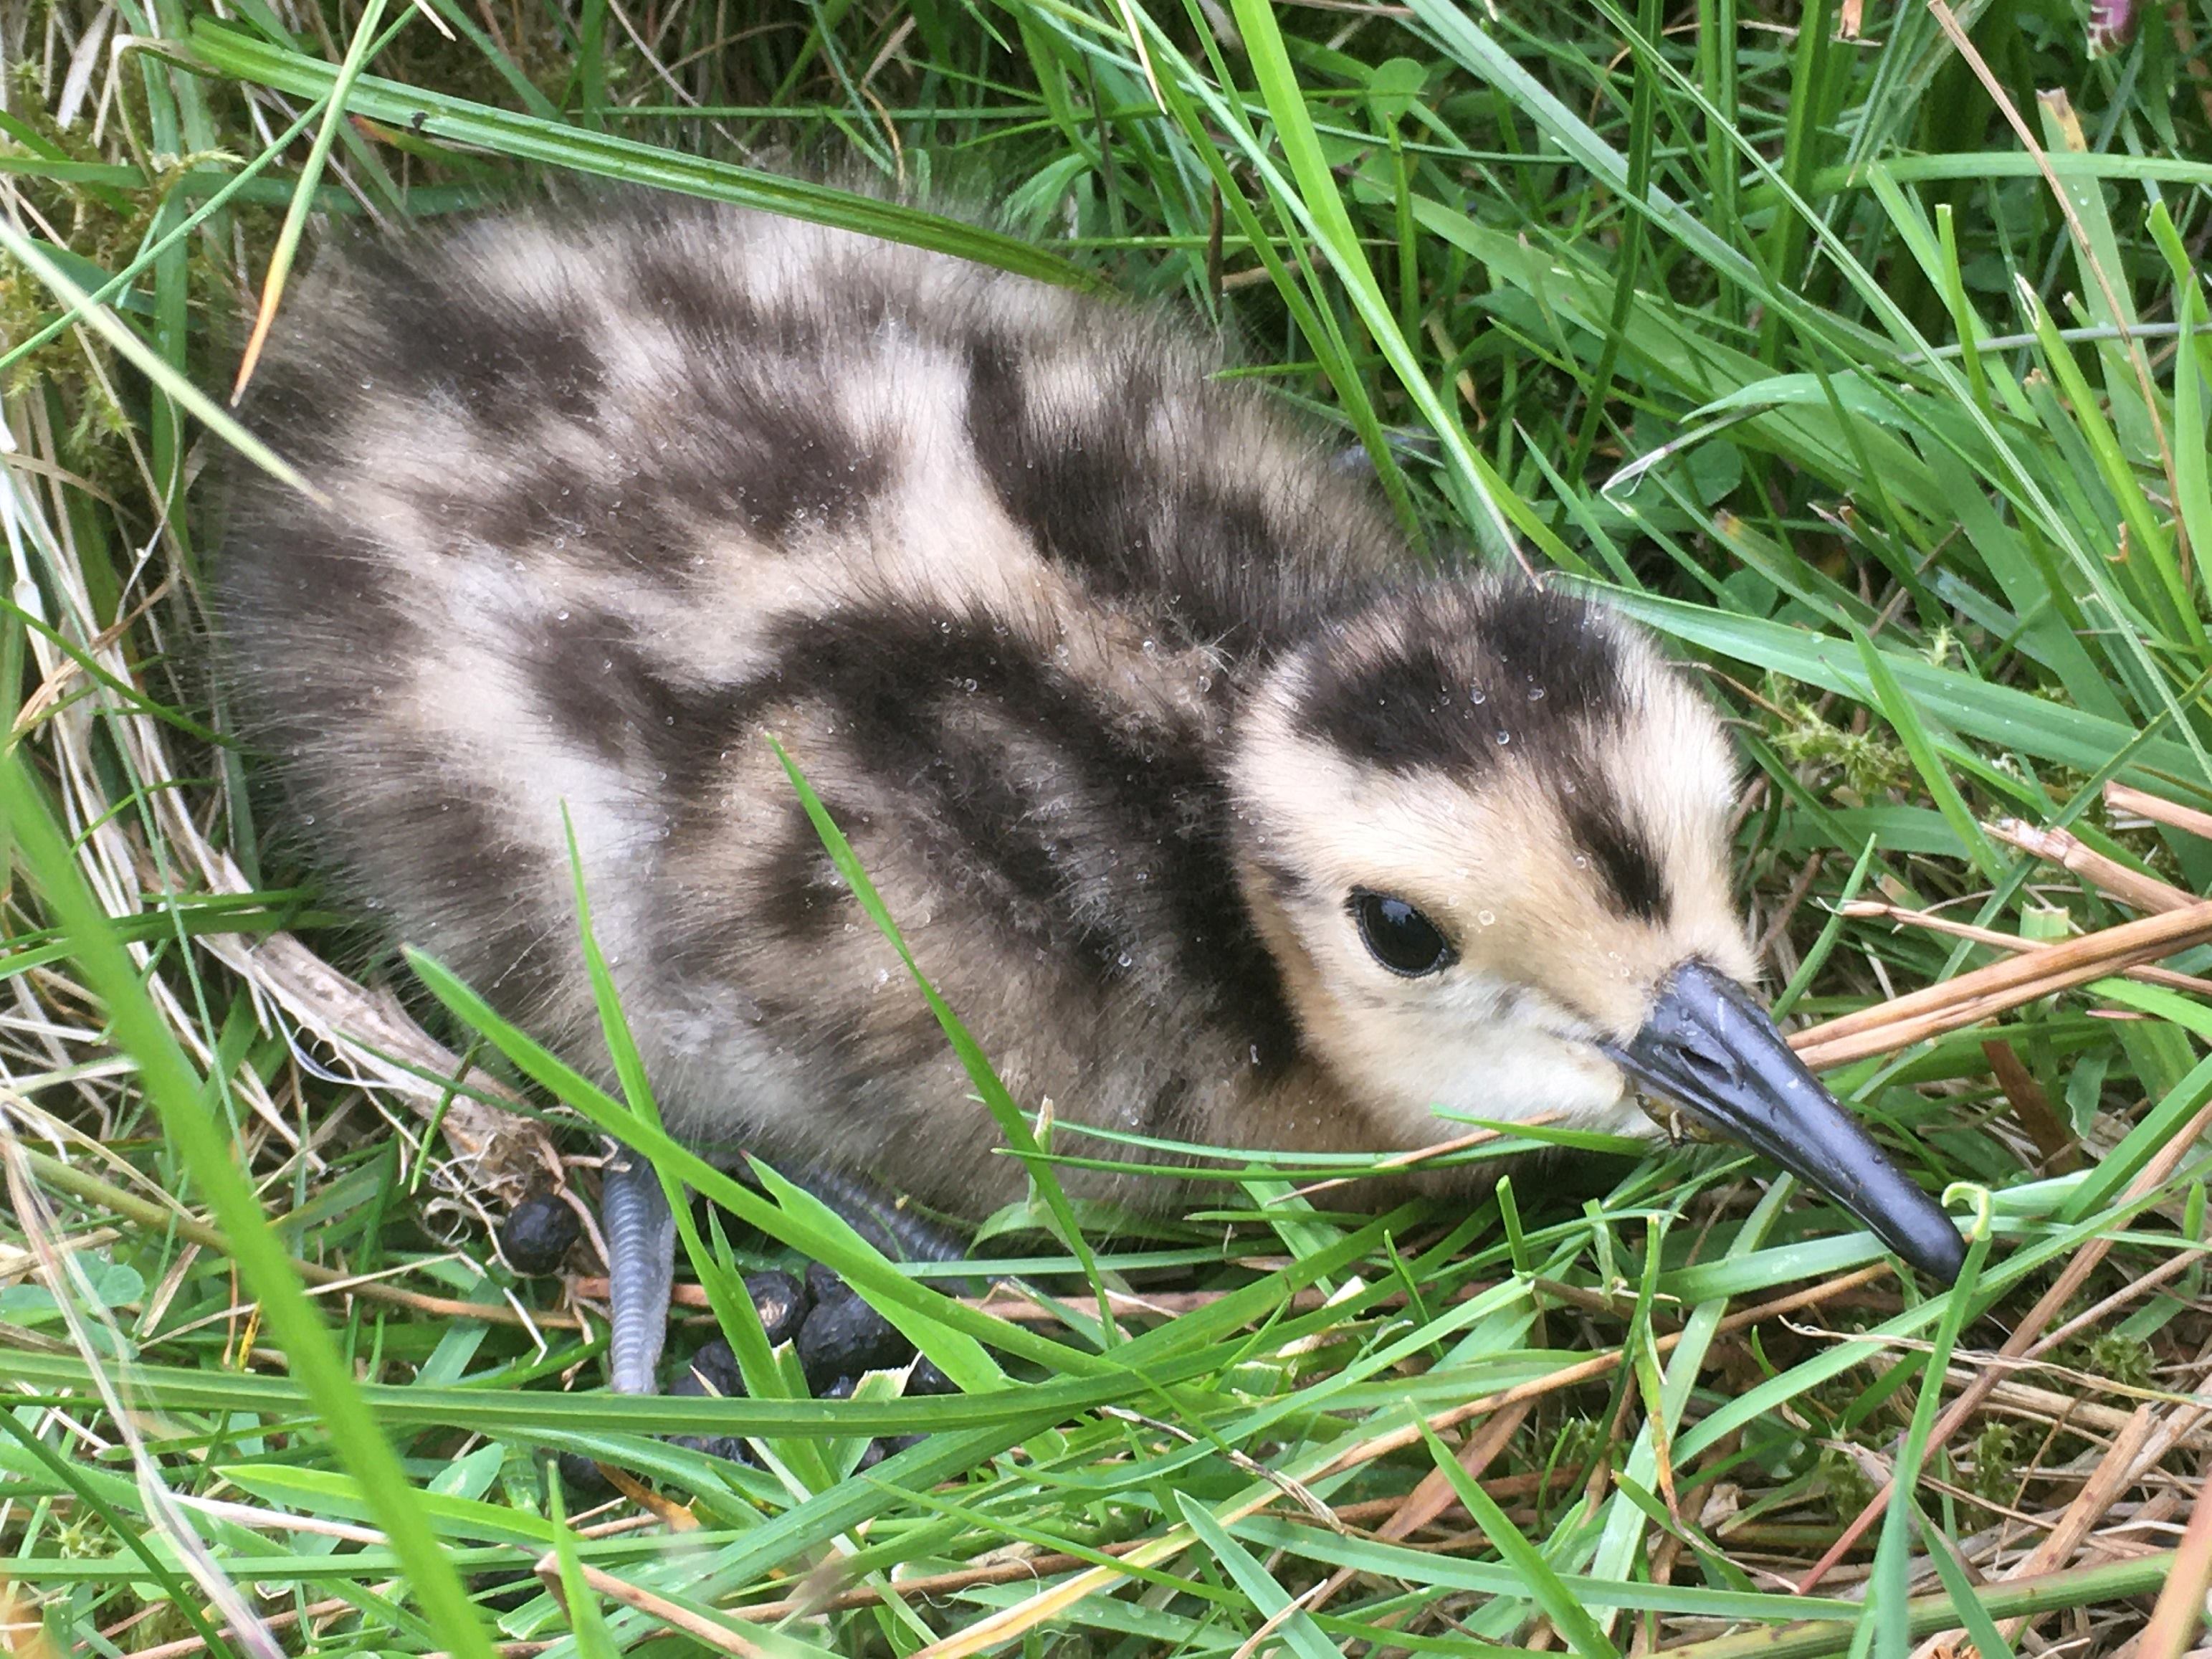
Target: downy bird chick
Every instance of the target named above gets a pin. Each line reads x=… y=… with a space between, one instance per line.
x=1213 y=817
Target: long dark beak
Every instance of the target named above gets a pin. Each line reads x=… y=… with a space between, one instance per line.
x=1710 y=1048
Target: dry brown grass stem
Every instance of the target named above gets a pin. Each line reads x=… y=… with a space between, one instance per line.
x=2159 y=809
x=1877 y=909
x=1435 y=1494
x=2107 y=874
x=1020 y=1307
x=1047 y=1604
x=156 y=1218
x=2151 y=1432
x=1988 y=992
x=685 y=1620
x=2180 y=1612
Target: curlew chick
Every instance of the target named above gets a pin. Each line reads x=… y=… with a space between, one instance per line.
x=1213 y=819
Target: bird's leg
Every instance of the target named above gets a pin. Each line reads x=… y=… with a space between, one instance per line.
x=640 y=1234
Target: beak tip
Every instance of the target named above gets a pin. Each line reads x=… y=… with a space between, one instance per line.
x=1708 y=1045
x=1938 y=1252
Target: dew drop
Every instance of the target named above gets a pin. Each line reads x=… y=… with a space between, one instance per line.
x=1485 y=917
x=1568 y=785
x=1478 y=695
x=1127 y=960
x=1535 y=693
x=1503 y=737
x=560 y=615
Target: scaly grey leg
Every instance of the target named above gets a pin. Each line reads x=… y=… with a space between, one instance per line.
x=640 y=1234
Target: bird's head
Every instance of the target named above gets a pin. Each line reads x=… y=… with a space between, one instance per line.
x=1485 y=830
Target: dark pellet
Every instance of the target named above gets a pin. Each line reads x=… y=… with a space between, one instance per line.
x=536 y=1234
x=581 y=1484
x=712 y=1369
x=782 y=1303
x=926 y=1378
x=845 y=1338
x=725 y=1446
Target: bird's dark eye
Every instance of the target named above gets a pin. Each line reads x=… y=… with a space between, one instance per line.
x=1399 y=937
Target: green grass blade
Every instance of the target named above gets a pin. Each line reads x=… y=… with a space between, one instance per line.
x=1001 y=1104
x=461 y=121
x=1561 y=1605
x=150 y=363
x=179 y=1096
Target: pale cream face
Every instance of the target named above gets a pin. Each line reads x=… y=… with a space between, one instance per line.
x=1568 y=870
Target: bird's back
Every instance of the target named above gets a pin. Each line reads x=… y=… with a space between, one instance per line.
x=614 y=495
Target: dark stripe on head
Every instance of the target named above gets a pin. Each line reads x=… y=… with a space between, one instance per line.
x=1463 y=679
x=1634 y=882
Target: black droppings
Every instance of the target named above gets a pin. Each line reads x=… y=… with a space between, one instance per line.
x=845 y=1336
x=537 y=1232
x=782 y=1303
x=823 y=1286
x=583 y=1483
x=712 y=1370
x=927 y=1379
x=730 y=1448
